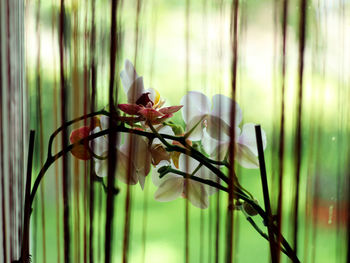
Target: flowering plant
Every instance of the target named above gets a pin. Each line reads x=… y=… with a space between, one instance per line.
x=192 y=162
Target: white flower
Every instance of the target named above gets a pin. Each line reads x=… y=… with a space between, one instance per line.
x=131 y=157
x=172 y=185
x=135 y=91
x=215 y=117
x=213 y=128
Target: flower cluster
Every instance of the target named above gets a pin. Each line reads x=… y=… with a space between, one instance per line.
x=208 y=131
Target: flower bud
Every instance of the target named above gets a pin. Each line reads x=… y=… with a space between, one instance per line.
x=196 y=146
x=159 y=154
x=81 y=151
x=249 y=209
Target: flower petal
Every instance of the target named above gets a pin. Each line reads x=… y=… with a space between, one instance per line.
x=205 y=173
x=136 y=90
x=187 y=164
x=122 y=171
x=164 y=130
x=194 y=104
x=216 y=149
x=79 y=134
x=99 y=145
x=196 y=125
x=80 y=151
x=217 y=128
x=155 y=175
x=209 y=144
x=245 y=157
x=142 y=180
x=248 y=137
x=161 y=119
x=222 y=109
x=128 y=75
x=197 y=195
x=131 y=109
x=159 y=154
x=104 y=122
x=141 y=156
x=170 y=110
x=169 y=189
x=150 y=114
x=101 y=167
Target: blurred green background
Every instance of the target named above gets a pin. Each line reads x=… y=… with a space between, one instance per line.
x=158 y=229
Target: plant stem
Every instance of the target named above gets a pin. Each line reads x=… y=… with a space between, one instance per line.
x=187 y=149
x=51 y=159
x=273 y=251
x=198 y=179
x=68 y=123
x=256 y=227
x=287 y=249
x=27 y=205
x=291 y=254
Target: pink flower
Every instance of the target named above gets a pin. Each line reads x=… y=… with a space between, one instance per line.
x=148 y=113
x=145 y=103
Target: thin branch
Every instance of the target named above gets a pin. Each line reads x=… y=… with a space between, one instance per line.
x=197 y=168
x=68 y=123
x=198 y=179
x=273 y=249
x=51 y=159
x=257 y=228
x=27 y=205
x=290 y=252
x=188 y=151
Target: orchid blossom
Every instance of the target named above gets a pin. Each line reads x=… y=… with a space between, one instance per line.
x=210 y=123
x=135 y=155
x=172 y=186
x=133 y=162
x=145 y=103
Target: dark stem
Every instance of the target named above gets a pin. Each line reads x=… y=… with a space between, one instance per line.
x=188 y=151
x=256 y=227
x=68 y=123
x=239 y=194
x=27 y=204
x=286 y=250
x=115 y=190
x=51 y=159
x=198 y=179
x=264 y=184
x=290 y=252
